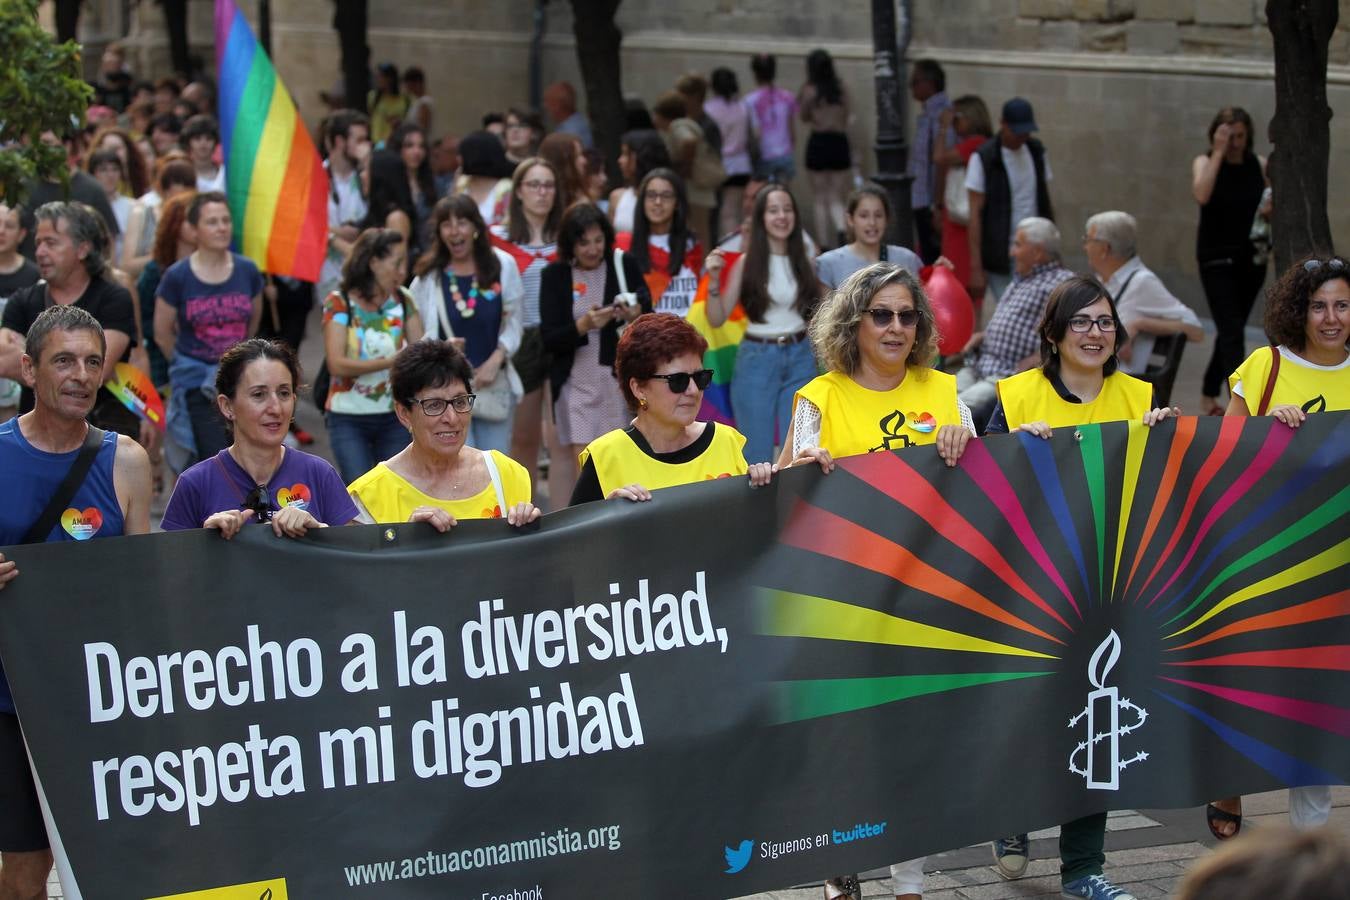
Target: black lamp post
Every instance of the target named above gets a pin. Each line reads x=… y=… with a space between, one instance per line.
x=892 y=151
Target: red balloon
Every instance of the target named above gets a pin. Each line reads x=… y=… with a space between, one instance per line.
x=953 y=311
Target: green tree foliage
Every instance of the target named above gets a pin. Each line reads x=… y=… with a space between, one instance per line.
x=41 y=89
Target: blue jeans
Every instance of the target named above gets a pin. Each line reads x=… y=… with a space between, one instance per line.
x=766 y=378
x=493 y=435
x=776 y=168
x=361 y=441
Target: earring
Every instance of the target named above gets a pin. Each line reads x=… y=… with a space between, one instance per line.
x=475 y=234
x=642 y=403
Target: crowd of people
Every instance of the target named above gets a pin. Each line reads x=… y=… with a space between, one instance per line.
x=491 y=301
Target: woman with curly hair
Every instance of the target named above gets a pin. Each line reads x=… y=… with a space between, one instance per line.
x=1306 y=369
x=876 y=337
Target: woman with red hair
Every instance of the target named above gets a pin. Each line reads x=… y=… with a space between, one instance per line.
x=659 y=363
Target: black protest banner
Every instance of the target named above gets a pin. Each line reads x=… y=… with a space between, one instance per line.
x=721 y=691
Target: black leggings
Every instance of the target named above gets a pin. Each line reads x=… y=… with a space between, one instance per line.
x=1231 y=286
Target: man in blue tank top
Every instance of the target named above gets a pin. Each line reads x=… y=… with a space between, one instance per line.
x=63 y=365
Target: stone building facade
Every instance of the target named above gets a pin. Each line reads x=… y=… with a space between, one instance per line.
x=1124 y=90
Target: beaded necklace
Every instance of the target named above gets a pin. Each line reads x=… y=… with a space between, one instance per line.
x=463 y=304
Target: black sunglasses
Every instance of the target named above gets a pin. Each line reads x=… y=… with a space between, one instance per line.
x=679 y=381
x=1335 y=264
x=257 y=503
x=881 y=317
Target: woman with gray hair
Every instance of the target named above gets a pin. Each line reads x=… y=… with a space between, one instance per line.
x=876 y=337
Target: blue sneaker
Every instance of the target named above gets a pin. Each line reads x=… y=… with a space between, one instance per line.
x=1094 y=887
x=1010 y=856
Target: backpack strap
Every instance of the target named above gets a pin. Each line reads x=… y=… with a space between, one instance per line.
x=65 y=491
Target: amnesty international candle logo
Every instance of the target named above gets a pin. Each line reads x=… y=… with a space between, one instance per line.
x=273 y=889
x=1104 y=765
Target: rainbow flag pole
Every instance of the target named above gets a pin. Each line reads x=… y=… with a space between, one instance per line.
x=277 y=186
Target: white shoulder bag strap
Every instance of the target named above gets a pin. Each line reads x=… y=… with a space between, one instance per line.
x=443 y=322
x=618 y=269
x=496 y=479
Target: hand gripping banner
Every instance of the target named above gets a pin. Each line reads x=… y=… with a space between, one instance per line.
x=722 y=691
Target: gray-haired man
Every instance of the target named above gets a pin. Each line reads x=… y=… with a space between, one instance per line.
x=69 y=251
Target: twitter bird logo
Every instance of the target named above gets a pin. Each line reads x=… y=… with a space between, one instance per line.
x=739 y=858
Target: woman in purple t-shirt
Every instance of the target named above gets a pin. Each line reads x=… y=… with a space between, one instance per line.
x=257 y=478
x=205 y=305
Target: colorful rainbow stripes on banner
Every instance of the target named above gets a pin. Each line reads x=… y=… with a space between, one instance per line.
x=277 y=186
x=1207 y=545
x=723 y=341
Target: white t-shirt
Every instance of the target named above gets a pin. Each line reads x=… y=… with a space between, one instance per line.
x=781 y=318
x=215 y=182
x=1021 y=181
x=679 y=294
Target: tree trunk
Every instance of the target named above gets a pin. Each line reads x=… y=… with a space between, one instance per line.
x=175 y=22
x=598 y=40
x=349 y=19
x=1301 y=129
x=67 y=20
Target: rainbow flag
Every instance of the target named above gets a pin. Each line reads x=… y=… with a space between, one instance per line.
x=723 y=341
x=277 y=186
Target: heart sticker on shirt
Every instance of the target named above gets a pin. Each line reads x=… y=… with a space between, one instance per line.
x=82 y=525
x=922 y=422
x=295 y=495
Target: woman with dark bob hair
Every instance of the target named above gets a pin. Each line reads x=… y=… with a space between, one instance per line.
x=581 y=307
x=439 y=478
x=258 y=478
x=1077 y=383
x=1306 y=369
x=659 y=362
x=876 y=338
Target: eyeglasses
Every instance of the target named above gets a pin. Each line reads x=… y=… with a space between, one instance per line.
x=1083 y=324
x=881 y=317
x=257 y=503
x=1314 y=265
x=540 y=187
x=434 y=406
x=679 y=381
x=660 y=196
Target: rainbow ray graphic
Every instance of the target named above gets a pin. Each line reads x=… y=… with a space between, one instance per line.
x=1224 y=544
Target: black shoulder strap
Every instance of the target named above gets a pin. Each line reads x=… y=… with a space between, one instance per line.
x=65 y=492
x=1121 y=293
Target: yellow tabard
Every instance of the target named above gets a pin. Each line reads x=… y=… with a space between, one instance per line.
x=855 y=419
x=389 y=497
x=1030 y=397
x=620 y=461
x=1299 y=383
